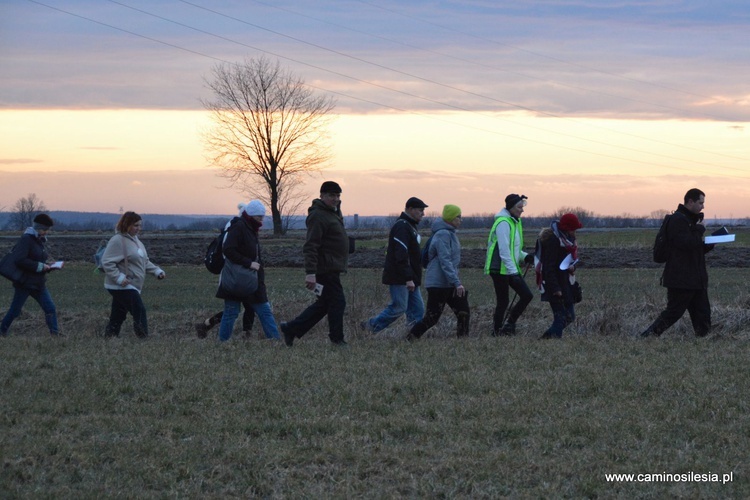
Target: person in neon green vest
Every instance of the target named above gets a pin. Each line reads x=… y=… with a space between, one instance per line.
x=505 y=259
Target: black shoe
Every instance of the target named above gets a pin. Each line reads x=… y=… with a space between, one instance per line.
x=288 y=336
x=58 y=335
x=340 y=343
x=548 y=335
x=508 y=329
x=201 y=330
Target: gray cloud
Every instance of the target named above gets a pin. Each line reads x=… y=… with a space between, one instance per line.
x=655 y=59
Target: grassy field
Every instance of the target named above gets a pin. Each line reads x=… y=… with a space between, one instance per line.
x=175 y=416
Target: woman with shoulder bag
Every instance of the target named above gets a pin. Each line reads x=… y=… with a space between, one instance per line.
x=242 y=279
x=557 y=255
x=125 y=263
x=29 y=257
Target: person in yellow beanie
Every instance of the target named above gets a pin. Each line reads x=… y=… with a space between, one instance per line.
x=441 y=279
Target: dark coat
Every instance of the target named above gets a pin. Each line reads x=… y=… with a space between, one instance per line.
x=403 y=256
x=29 y=255
x=555 y=279
x=241 y=246
x=686 y=265
x=326 y=247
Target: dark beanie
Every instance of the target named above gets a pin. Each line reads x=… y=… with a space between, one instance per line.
x=330 y=187
x=512 y=199
x=43 y=222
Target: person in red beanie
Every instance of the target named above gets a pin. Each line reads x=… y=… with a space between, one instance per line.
x=555 y=258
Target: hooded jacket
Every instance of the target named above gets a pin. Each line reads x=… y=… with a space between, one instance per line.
x=444 y=257
x=326 y=248
x=505 y=253
x=29 y=255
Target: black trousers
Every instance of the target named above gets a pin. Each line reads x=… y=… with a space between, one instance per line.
x=437 y=298
x=695 y=302
x=502 y=284
x=124 y=302
x=331 y=303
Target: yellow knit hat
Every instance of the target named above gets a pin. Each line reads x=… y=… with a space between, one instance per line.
x=450 y=212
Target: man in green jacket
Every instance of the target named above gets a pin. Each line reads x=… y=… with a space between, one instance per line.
x=326 y=251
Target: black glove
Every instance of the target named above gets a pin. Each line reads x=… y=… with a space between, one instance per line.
x=529 y=259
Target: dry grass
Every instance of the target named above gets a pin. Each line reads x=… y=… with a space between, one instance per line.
x=175 y=416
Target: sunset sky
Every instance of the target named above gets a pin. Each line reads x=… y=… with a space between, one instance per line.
x=614 y=106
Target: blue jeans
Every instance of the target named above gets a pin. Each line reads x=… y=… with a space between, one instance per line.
x=44 y=299
x=563 y=315
x=402 y=301
x=262 y=310
x=124 y=302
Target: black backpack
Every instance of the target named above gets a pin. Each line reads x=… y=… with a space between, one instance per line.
x=214 y=259
x=661 y=244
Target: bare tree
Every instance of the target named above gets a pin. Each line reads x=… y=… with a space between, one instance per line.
x=267 y=126
x=24 y=210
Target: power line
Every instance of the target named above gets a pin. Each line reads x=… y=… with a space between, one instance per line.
x=352 y=78
x=434 y=82
x=480 y=64
x=537 y=54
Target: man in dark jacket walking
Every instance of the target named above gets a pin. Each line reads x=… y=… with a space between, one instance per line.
x=685 y=275
x=326 y=251
x=403 y=270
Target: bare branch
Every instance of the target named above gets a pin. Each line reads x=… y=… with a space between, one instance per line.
x=268 y=126
x=24 y=211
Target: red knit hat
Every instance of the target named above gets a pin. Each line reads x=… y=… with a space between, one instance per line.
x=569 y=222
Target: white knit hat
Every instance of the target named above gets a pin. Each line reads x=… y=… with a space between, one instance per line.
x=253 y=208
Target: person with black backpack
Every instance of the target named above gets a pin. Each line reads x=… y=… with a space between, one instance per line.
x=243 y=264
x=402 y=271
x=214 y=261
x=685 y=276
x=442 y=282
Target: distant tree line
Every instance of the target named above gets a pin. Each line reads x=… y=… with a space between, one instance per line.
x=25 y=209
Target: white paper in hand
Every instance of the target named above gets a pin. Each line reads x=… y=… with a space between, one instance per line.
x=567 y=262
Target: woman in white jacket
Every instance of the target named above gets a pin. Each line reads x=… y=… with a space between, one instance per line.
x=125 y=263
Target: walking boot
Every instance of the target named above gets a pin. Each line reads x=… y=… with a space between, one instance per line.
x=508 y=329
x=201 y=330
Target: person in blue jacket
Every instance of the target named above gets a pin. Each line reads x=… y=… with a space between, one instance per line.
x=30 y=257
x=442 y=282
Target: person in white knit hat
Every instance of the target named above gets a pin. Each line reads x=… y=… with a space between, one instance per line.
x=248 y=316
x=241 y=247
